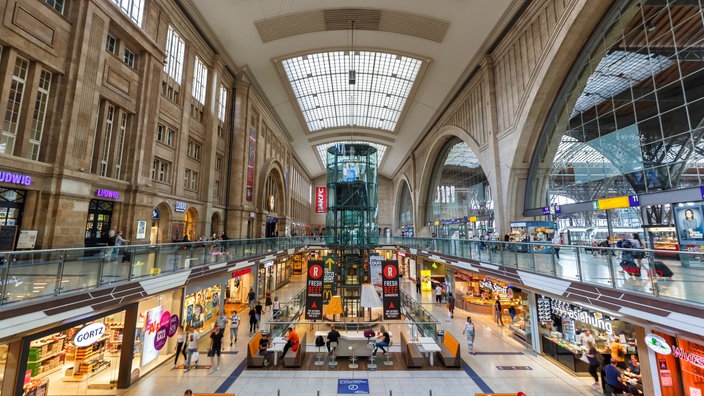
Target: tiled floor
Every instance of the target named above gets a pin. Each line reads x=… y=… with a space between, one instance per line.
x=495 y=346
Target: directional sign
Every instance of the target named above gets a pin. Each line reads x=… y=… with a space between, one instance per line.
x=352 y=386
x=329 y=278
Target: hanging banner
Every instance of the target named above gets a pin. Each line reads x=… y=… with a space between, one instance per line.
x=375 y=271
x=329 y=284
x=314 y=290
x=392 y=298
x=321 y=199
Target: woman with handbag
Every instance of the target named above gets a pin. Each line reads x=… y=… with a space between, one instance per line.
x=638 y=254
x=593 y=362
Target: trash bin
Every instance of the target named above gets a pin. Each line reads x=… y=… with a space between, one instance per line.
x=440 y=336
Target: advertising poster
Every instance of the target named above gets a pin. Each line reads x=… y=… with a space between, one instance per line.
x=314 y=290
x=688 y=220
x=425 y=283
x=390 y=290
x=375 y=271
x=151 y=326
x=329 y=283
x=321 y=199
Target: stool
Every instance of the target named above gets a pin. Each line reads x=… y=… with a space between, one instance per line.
x=353 y=358
x=333 y=347
x=319 y=361
x=372 y=358
x=387 y=357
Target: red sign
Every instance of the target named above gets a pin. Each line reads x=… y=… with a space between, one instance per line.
x=390 y=289
x=241 y=272
x=321 y=199
x=314 y=290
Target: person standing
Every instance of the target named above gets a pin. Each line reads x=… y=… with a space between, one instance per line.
x=451 y=304
x=258 y=310
x=593 y=362
x=234 y=326
x=438 y=294
x=192 y=342
x=498 y=312
x=618 y=353
x=221 y=320
x=267 y=301
x=180 y=345
x=251 y=296
x=215 y=347
x=276 y=307
x=638 y=254
x=512 y=312
x=252 y=320
x=469 y=332
x=417 y=284
x=556 y=242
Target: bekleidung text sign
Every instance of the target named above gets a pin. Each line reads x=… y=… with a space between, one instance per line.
x=321 y=199
x=89 y=334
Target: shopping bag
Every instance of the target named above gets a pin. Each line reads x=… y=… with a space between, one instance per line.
x=584 y=358
x=194 y=357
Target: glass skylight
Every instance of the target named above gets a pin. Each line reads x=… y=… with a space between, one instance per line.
x=322 y=86
x=323 y=149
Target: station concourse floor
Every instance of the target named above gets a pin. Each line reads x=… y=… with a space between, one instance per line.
x=494 y=346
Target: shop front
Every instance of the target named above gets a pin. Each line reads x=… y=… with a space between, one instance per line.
x=273 y=274
x=532 y=231
x=476 y=293
x=238 y=286
x=11 y=210
x=99 y=220
x=202 y=304
x=432 y=274
x=679 y=364
x=563 y=333
x=108 y=351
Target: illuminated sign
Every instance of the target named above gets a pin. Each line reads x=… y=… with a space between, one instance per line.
x=181 y=206
x=596 y=319
x=320 y=199
x=554 y=209
x=495 y=287
x=241 y=272
x=473 y=219
x=15 y=178
x=657 y=344
x=625 y=201
x=89 y=334
x=107 y=194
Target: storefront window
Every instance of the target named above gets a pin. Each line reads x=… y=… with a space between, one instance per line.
x=3 y=361
x=202 y=308
x=147 y=352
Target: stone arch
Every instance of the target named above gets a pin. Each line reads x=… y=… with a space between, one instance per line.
x=215 y=224
x=274 y=168
x=398 y=191
x=160 y=229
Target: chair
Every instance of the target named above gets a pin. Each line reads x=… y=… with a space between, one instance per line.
x=372 y=358
x=387 y=357
x=333 y=361
x=353 y=358
x=319 y=343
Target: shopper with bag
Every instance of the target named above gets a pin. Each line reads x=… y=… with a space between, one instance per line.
x=192 y=348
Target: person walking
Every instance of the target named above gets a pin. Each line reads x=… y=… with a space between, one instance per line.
x=469 y=332
x=215 y=347
x=251 y=297
x=451 y=304
x=417 y=284
x=638 y=254
x=498 y=312
x=258 y=310
x=234 y=327
x=593 y=362
x=438 y=294
x=267 y=301
x=252 y=320
x=556 y=242
x=192 y=342
x=180 y=345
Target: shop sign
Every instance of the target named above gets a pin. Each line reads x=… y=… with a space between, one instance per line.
x=268 y=264
x=102 y=193
x=375 y=270
x=173 y=325
x=596 y=319
x=657 y=344
x=314 y=290
x=241 y=272
x=181 y=206
x=320 y=199
x=89 y=334
x=495 y=287
x=401 y=254
x=155 y=214
x=329 y=284
x=390 y=289
x=15 y=178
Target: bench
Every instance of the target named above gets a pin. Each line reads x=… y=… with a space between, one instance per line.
x=295 y=358
x=254 y=359
x=450 y=351
x=411 y=354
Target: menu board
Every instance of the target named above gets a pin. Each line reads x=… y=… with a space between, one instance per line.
x=390 y=287
x=544 y=309
x=314 y=290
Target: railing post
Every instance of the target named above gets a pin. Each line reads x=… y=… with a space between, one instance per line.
x=6 y=276
x=579 y=265
x=60 y=274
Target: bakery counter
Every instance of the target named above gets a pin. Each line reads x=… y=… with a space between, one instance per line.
x=476 y=305
x=566 y=354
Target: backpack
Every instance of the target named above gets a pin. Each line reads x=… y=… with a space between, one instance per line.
x=626 y=244
x=111 y=241
x=319 y=341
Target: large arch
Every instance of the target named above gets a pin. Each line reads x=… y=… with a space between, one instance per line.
x=272 y=198
x=401 y=184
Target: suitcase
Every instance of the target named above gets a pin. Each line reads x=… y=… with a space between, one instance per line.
x=661 y=270
x=630 y=268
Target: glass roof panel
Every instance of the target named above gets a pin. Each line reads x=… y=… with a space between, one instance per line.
x=322 y=149
x=321 y=81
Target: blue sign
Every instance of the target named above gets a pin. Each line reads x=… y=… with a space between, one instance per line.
x=701 y=189
x=633 y=201
x=352 y=386
x=155 y=214
x=181 y=206
x=553 y=209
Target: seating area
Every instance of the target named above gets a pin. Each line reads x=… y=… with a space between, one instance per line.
x=450 y=351
x=412 y=356
x=254 y=359
x=295 y=358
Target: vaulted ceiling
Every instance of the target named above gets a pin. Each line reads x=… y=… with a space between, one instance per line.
x=411 y=57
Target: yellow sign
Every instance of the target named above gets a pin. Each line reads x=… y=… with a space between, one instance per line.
x=437 y=222
x=473 y=219
x=613 y=203
x=425 y=283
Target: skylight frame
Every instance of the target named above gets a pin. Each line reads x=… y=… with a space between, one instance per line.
x=320 y=84
x=322 y=149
